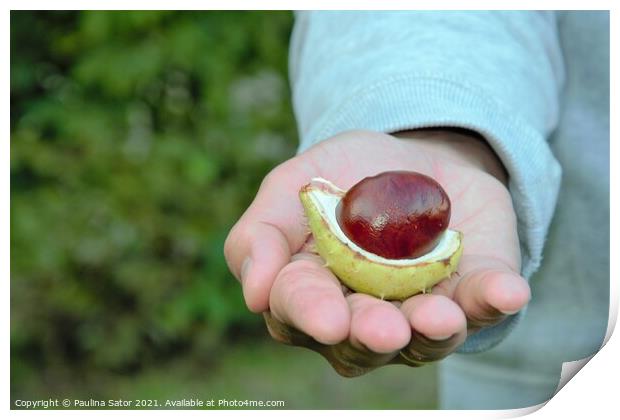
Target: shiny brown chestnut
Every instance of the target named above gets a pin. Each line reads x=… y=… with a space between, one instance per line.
x=395 y=214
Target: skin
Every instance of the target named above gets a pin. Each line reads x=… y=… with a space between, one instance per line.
x=304 y=304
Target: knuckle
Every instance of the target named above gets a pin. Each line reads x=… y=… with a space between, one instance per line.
x=234 y=236
x=347 y=369
x=418 y=358
x=232 y=247
x=294 y=274
x=277 y=335
x=423 y=350
x=276 y=329
x=229 y=244
x=276 y=174
x=487 y=318
x=407 y=359
x=300 y=268
x=286 y=334
x=294 y=285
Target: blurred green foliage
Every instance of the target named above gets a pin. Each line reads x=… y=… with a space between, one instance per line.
x=137 y=140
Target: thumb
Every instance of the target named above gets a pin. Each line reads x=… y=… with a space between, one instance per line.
x=487 y=296
x=487 y=291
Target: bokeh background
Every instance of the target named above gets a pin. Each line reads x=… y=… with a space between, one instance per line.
x=137 y=140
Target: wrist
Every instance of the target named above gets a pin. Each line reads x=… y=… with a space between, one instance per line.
x=463 y=146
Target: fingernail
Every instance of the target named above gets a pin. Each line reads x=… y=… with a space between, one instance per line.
x=438 y=337
x=510 y=312
x=245 y=268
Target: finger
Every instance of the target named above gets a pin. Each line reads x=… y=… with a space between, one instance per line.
x=436 y=317
x=350 y=361
x=488 y=295
x=378 y=331
x=269 y=232
x=438 y=327
x=377 y=325
x=347 y=359
x=307 y=296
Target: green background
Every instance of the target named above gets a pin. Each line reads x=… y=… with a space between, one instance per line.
x=137 y=140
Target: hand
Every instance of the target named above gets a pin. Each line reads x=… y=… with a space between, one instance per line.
x=304 y=304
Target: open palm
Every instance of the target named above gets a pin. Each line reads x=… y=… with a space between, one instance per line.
x=304 y=303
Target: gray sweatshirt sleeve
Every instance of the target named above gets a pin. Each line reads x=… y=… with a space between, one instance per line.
x=497 y=73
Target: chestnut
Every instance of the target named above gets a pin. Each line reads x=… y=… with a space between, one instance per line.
x=396 y=214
